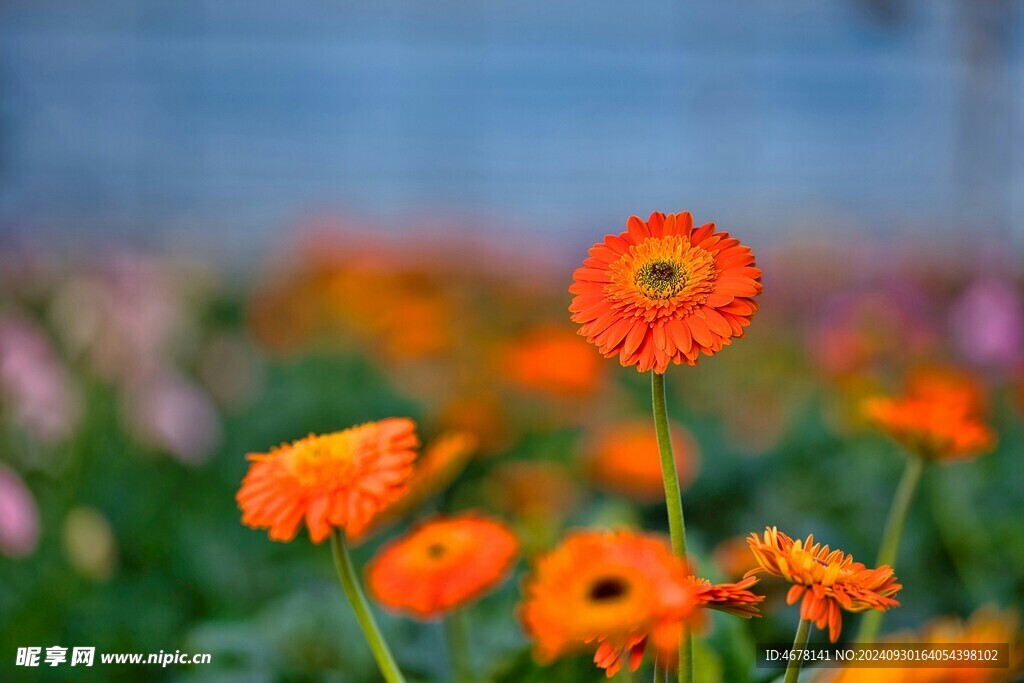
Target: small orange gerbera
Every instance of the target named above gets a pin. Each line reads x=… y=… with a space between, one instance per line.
x=338 y=480
x=626 y=459
x=938 y=424
x=827 y=581
x=442 y=564
x=607 y=590
x=440 y=464
x=664 y=291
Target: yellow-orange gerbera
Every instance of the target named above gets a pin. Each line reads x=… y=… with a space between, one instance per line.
x=335 y=480
x=626 y=459
x=938 y=425
x=440 y=464
x=664 y=291
x=605 y=590
x=442 y=564
x=828 y=581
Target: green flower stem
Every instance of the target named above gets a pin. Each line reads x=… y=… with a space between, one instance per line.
x=887 y=552
x=457 y=632
x=357 y=598
x=674 y=503
x=803 y=634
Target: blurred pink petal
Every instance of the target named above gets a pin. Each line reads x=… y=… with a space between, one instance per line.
x=169 y=413
x=987 y=322
x=34 y=382
x=19 y=516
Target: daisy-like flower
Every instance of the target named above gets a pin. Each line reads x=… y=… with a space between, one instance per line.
x=604 y=590
x=441 y=565
x=442 y=461
x=663 y=292
x=625 y=459
x=938 y=425
x=339 y=480
x=827 y=581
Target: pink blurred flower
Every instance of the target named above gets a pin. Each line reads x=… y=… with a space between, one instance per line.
x=34 y=383
x=19 y=516
x=169 y=413
x=987 y=322
x=127 y=316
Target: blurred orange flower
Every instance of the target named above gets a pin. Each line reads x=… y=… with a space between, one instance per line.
x=442 y=564
x=951 y=384
x=936 y=420
x=437 y=468
x=604 y=587
x=626 y=459
x=827 y=581
x=337 y=480
x=987 y=625
x=552 y=360
x=663 y=291
x=732 y=557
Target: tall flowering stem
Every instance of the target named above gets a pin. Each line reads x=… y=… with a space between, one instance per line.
x=357 y=598
x=457 y=632
x=803 y=634
x=894 y=524
x=674 y=504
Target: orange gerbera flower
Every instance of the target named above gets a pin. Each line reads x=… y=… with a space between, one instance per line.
x=664 y=291
x=551 y=360
x=607 y=590
x=940 y=424
x=440 y=464
x=626 y=459
x=337 y=480
x=827 y=581
x=442 y=564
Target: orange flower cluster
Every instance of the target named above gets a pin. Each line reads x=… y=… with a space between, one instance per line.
x=663 y=292
x=619 y=590
x=442 y=564
x=336 y=480
x=827 y=581
x=938 y=418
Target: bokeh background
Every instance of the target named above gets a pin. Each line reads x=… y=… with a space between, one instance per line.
x=224 y=225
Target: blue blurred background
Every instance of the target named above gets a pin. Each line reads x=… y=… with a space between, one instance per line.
x=216 y=125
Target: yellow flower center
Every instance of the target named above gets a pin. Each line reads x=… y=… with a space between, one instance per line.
x=322 y=461
x=662 y=275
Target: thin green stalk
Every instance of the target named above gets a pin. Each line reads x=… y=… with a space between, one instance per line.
x=889 y=549
x=457 y=632
x=674 y=504
x=803 y=634
x=357 y=598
